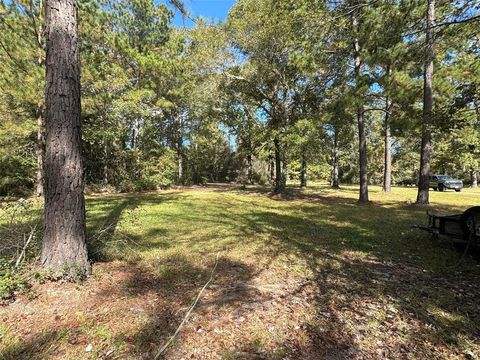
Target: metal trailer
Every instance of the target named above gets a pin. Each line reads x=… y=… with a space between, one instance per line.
x=461 y=228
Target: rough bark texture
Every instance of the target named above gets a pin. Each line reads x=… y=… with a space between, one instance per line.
x=426 y=148
x=335 y=164
x=387 y=167
x=64 y=248
x=362 y=138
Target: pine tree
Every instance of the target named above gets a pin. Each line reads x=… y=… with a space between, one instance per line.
x=64 y=247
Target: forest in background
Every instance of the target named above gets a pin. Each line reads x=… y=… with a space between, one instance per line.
x=271 y=95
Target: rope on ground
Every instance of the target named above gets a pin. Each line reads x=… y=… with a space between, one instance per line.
x=187 y=315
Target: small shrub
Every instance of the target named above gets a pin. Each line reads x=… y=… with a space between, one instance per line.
x=10 y=282
x=262 y=180
x=126 y=186
x=160 y=172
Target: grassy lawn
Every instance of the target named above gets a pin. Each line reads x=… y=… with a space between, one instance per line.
x=310 y=276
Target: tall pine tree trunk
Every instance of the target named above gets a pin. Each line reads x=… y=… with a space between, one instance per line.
x=271 y=169
x=135 y=147
x=105 y=163
x=387 y=167
x=279 y=183
x=39 y=152
x=180 y=164
x=362 y=138
x=335 y=163
x=64 y=249
x=40 y=141
x=180 y=159
x=474 y=178
x=250 y=168
x=303 y=171
x=426 y=147
x=284 y=171
x=180 y=148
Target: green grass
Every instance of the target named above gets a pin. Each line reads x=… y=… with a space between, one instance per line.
x=196 y=223
x=311 y=233
x=371 y=278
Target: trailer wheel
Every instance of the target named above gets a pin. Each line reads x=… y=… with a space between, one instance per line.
x=469 y=217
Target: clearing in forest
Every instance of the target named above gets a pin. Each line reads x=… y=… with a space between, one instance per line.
x=309 y=276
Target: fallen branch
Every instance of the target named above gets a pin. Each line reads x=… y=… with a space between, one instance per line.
x=24 y=249
x=187 y=315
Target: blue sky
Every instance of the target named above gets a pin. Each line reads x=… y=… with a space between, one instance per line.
x=210 y=9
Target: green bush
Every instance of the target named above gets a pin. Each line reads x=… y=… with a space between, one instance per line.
x=159 y=171
x=10 y=282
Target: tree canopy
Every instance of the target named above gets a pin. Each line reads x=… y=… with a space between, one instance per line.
x=278 y=93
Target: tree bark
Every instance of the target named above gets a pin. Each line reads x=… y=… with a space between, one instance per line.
x=303 y=172
x=40 y=143
x=362 y=138
x=335 y=165
x=105 y=164
x=180 y=149
x=284 y=171
x=279 y=183
x=180 y=159
x=39 y=152
x=387 y=168
x=271 y=169
x=426 y=147
x=135 y=147
x=180 y=165
x=250 y=168
x=474 y=178
x=64 y=249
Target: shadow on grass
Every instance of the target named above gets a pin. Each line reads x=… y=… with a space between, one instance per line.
x=174 y=283
x=38 y=347
x=371 y=267
x=379 y=289
x=105 y=241
x=155 y=298
x=368 y=257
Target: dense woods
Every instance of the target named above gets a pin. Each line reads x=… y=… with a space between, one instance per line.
x=281 y=92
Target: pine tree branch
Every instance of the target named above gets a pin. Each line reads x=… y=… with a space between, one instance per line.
x=446 y=23
x=18 y=65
